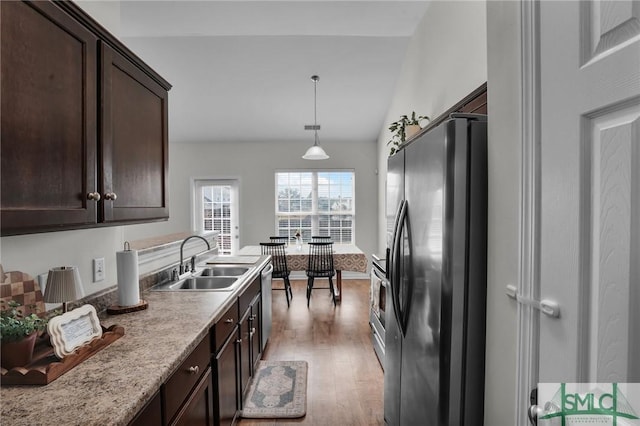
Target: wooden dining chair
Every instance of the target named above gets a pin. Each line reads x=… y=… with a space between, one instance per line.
x=320 y=266
x=320 y=239
x=279 y=239
x=279 y=262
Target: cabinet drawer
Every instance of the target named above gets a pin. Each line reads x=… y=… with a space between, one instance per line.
x=249 y=294
x=225 y=326
x=185 y=377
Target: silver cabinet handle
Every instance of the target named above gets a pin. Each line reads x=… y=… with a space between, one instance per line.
x=93 y=196
x=228 y=320
x=194 y=369
x=111 y=196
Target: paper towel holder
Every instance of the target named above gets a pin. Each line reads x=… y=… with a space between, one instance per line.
x=117 y=309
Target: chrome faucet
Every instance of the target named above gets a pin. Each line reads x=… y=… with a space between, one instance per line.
x=182 y=268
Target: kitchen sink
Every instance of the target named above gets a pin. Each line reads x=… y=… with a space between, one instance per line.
x=208 y=283
x=202 y=283
x=224 y=271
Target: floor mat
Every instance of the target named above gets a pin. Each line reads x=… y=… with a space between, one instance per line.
x=278 y=390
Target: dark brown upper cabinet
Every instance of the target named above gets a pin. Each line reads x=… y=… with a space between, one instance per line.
x=48 y=124
x=133 y=141
x=83 y=125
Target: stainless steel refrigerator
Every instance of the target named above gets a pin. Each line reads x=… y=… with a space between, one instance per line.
x=436 y=239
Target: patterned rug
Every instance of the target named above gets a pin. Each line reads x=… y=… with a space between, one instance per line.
x=278 y=390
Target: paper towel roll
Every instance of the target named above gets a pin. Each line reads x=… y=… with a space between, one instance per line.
x=128 y=285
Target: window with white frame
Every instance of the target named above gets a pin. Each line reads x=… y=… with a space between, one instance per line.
x=316 y=203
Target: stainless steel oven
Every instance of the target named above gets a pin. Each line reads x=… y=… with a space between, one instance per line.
x=378 y=305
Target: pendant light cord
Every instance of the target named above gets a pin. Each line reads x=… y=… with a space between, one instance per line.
x=315 y=79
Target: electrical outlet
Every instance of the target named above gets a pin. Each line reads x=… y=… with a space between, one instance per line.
x=98 y=269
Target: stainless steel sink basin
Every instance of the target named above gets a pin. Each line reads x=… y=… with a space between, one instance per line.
x=210 y=283
x=224 y=271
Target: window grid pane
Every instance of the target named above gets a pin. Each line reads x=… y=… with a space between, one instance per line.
x=334 y=201
x=217 y=214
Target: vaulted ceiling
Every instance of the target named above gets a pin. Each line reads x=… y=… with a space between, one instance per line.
x=241 y=70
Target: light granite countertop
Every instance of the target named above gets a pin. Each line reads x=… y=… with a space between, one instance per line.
x=113 y=385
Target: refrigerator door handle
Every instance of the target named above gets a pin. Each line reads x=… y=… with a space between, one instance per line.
x=393 y=238
x=395 y=286
x=392 y=263
x=402 y=307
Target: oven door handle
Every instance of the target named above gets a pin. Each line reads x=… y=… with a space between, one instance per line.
x=377 y=273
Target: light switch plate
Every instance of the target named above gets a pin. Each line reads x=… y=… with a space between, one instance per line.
x=98 y=269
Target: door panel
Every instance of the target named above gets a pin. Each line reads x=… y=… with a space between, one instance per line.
x=590 y=186
x=426 y=300
x=393 y=336
x=134 y=142
x=614 y=253
x=48 y=120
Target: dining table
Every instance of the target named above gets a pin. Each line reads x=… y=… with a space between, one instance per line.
x=346 y=257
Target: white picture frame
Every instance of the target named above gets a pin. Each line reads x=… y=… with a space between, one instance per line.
x=73 y=330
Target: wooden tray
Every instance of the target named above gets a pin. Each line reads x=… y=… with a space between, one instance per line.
x=46 y=367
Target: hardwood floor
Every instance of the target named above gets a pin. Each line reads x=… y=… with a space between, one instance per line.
x=345 y=380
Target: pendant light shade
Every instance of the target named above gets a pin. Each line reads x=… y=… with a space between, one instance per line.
x=315 y=152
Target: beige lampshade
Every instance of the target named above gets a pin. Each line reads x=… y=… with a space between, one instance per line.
x=63 y=285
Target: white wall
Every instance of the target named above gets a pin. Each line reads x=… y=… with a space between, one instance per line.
x=445 y=61
x=255 y=164
x=503 y=42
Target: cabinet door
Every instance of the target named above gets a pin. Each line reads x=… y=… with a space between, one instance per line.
x=198 y=410
x=225 y=382
x=151 y=414
x=256 y=327
x=245 y=353
x=133 y=142
x=48 y=120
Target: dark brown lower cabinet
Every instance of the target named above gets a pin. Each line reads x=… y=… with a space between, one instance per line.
x=225 y=382
x=245 y=370
x=198 y=409
x=256 y=330
x=151 y=414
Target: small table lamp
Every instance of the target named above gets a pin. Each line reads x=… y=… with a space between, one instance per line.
x=63 y=285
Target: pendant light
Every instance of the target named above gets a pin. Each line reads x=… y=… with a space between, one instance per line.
x=315 y=152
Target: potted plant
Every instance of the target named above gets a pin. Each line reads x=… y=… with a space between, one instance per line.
x=18 y=334
x=403 y=129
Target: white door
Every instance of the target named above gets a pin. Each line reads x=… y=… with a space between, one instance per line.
x=216 y=209
x=588 y=200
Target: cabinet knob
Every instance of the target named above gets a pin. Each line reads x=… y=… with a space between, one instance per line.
x=252 y=317
x=94 y=196
x=239 y=341
x=194 y=369
x=111 y=196
x=228 y=320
